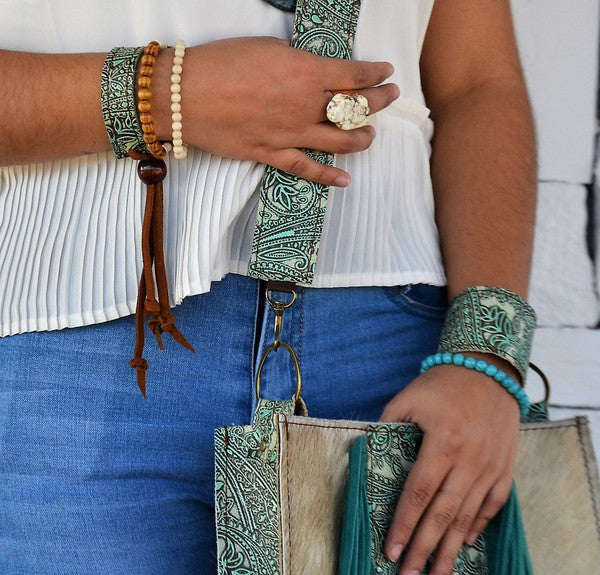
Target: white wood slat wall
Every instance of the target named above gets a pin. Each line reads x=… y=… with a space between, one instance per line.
x=559 y=48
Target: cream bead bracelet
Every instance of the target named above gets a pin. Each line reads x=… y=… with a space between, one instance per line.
x=179 y=148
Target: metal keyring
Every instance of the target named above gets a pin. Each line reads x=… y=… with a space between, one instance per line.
x=545 y=381
x=292 y=353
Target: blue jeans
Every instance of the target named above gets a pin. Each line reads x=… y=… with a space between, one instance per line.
x=95 y=480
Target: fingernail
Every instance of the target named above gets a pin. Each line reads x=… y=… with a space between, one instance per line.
x=472 y=539
x=342 y=181
x=395 y=552
x=414 y=572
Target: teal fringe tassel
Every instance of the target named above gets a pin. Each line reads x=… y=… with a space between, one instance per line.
x=355 y=555
x=505 y=541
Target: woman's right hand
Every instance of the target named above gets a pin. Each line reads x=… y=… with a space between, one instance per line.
x=259 y=99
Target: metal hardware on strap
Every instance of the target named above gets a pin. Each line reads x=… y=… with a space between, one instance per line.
x=279 y=308
x=294 y=357
x=291 y=210
x=545 y=381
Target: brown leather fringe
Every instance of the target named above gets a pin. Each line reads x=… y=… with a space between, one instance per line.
x=152 y=172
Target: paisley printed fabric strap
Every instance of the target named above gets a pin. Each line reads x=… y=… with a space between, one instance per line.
x=291 y=210
x=118 y=101
x=490 y=320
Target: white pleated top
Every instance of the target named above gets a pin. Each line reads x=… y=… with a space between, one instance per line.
x=70 y=229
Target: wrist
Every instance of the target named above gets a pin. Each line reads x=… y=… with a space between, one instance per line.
x=500 y=363
x=161 y=94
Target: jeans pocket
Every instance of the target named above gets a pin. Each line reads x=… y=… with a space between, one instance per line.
x=421 y=298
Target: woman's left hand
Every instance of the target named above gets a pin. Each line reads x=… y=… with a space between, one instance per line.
x=463 y=474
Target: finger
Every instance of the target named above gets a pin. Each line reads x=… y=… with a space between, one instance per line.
x=492 y=504
x=424 y=480
x=329 y=138
x=379 y=98
x=458 y=531
x=342 y=75
x=441 y=513
x=403 y=407
x=296 y=162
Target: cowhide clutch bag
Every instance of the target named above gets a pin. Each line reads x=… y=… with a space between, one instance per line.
x=282 y=484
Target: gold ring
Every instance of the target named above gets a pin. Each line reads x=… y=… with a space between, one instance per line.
x=348 y=111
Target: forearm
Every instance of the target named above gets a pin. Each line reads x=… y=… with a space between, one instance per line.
x=484 y=175
x=50 y=106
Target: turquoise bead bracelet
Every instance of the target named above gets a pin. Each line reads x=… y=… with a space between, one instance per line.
x=484 y=367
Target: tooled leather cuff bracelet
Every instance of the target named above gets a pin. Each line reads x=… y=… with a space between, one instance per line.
x=118 y=100
x=490 y=320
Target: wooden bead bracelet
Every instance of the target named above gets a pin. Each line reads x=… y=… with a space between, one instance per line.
x=144 y=94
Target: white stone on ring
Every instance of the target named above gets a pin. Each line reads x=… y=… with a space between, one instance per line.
x=348 y=111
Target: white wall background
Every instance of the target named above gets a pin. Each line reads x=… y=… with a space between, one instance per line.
x=559 y=43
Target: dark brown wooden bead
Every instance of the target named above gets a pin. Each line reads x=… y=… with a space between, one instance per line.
x=152 y=171
x=148 y=60
x=146 y=71
x=144 y=94
x=144 y=106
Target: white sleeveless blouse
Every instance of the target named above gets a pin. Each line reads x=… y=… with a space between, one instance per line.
x=70 y=229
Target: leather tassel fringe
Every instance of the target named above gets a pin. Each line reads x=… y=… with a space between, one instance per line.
x=153 y=292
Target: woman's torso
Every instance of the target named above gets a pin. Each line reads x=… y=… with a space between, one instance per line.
x=69 y=230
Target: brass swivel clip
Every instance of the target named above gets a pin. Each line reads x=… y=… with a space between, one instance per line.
x=279 y=308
